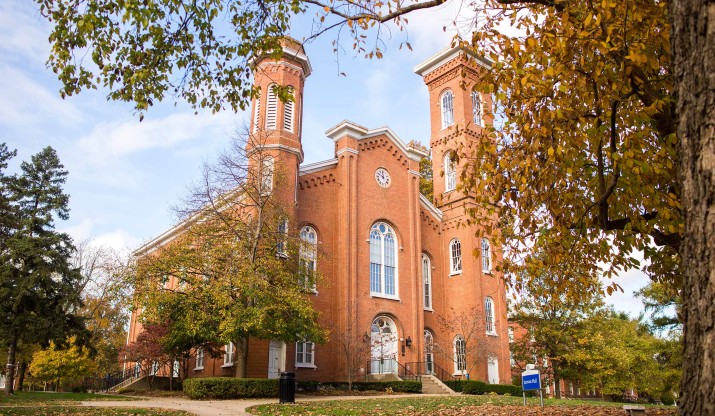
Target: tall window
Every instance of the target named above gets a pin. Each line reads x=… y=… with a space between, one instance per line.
x=455 y=258
x=447 y=101
x=450 y=173
x=304 y=356
x=271 y=108
x=427 y=280
x=267 y=175
x=228 y=354
x=383 y=260
x=489 y=316
x=199 y=359
x=288 y=113
x=429 y=351
x=308 y=255
x=486 y=256
x=256 y=114
x=282 y=235
x=477 y=108
x=460 y=355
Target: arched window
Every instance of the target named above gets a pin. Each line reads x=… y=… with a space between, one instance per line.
x=450 y=173
x=489 y=316
x=460 y=355
x=271 y=108
x=266 y=175
x=429 y=352
x=455 y=258
x=256 y=114
x=427 y=280
x=383 y=346
x=486 y=256
x=288 y=113
x=383 y=261
x=477 y=109
x=447 y=102
x=308 y=256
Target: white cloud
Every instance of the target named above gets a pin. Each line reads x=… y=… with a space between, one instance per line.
x=118 y=239
x=23 y=33
x=79 y=232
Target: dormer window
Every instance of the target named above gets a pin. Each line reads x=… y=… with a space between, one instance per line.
x=447 y=102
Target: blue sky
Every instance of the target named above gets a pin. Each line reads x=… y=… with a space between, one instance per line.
x=124 y=175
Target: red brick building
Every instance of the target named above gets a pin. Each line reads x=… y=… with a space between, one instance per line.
x=392 y=260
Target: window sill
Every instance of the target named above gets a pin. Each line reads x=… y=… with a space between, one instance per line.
x=489 y=272
x=227 y=365
x=455 y=273
x=428 y=310
x=381 y=296
x=446 y=191
x=492 y=334
x=198 y=369
x=306 y=366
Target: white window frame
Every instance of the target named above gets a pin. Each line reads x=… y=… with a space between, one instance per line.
x=282 y=238
x=450 y=173
x=308 y=254
x=460 y=355
x=455 y=257
x=289 y=113
x=489 y=316
x=427 y=281
x=257 y=114
x=267 y=169
x=447 y=108
x=477 y=108
x=271 y=109
x=199 y=359
x=229 y=350
x=486 y=256
x=379 y=256
x=305 y=354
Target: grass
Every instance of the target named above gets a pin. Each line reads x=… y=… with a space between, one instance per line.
x=434 y=405
x=87 y=411
x=40 y=398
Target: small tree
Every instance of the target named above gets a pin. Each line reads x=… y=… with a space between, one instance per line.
x=147 y=350
x=56 y=363
x=468 y=326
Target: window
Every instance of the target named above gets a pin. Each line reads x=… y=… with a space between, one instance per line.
x=288 y=113
x=477 y=108
x=282 y=234
x=486 y=256
x=304 y=356
x=460 y=355
x=154 y=368
x=455 y=259
x=267 y=175
x=228 y=354
x=429 y=352
x=256 y=114
x=450 y=173
x=489 y=316
x=427 y=280
x=271 y=108
x=383 y=261
x=447 y=101
x=308 y=255
x=199 y=359
x=511 y=334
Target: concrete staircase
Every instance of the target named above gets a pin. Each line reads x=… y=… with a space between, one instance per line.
x=432 y=385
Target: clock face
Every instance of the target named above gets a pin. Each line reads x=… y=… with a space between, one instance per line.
x=382 y=177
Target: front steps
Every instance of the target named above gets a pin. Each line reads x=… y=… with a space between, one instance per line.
x=432 y=385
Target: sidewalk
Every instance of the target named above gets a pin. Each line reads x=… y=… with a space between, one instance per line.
x=225 y=407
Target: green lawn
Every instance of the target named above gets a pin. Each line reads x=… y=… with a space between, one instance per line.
x=39 y=398
x=86 y=411
x=456 y=405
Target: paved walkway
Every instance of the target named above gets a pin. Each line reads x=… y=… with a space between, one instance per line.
x=226 y=407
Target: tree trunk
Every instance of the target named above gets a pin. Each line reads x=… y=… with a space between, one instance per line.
x=10 y=368
x=693 y=46
x=241 y=357
x=557 y=387
x=21 y=376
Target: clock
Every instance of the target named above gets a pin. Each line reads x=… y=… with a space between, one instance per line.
x=382 y=177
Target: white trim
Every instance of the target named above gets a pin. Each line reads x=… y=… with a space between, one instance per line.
x=297 y=152
x=318 y=166
x=346 y=150
x=440 y=58
x=411 y=152
x=299 y=56
x=430 y=207
x=414 y=173
x=345 y=128
x=277 y=63
x=383 y=296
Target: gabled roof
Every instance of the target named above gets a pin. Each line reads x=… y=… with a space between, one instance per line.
x=349 y=128
x=441 y=58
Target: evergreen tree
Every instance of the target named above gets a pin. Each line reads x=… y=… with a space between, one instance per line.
x=37 y=284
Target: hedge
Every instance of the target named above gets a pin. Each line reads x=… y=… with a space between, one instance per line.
x=456 y=385
x=406 y=386
x=480 y=387
x=474 y=387
x=230 y=388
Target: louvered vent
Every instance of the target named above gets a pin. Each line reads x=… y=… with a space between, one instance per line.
x=271 y=109
x=256 y=114
x=288 y=116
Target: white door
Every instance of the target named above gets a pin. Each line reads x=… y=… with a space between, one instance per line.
x=429 y=354
x=275 y=352
x=383 y=346
x=493 y=370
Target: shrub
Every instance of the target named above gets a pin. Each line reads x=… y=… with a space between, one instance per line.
x=667 y=398
x=406 y=386
x=456 y=385
x=474 y=387
x=229 y=388
x=480 y=387
x=307 y=385
x=504 y=389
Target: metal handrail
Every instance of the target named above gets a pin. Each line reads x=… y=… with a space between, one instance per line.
x=112 y=380
x=430 y=368
x=391 y=365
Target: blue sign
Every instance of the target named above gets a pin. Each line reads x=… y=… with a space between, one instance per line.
x=531 y=381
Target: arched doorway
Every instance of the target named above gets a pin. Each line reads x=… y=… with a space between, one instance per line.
x=383 y=346
x=429 y=352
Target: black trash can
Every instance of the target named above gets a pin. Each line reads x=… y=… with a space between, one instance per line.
x=286 y=387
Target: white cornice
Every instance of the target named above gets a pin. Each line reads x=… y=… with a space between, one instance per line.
x=345 y=128
x=298 y=152
x=411 y=152
x=447 y=55
x=414 y=173
x=430 y=207
x=300 y=57
x=346 y=150
x=318 y=166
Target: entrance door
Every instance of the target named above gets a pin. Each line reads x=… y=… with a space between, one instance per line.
x=383 y=346
x=275 y=358
x=429 y=352
x=493 y=370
